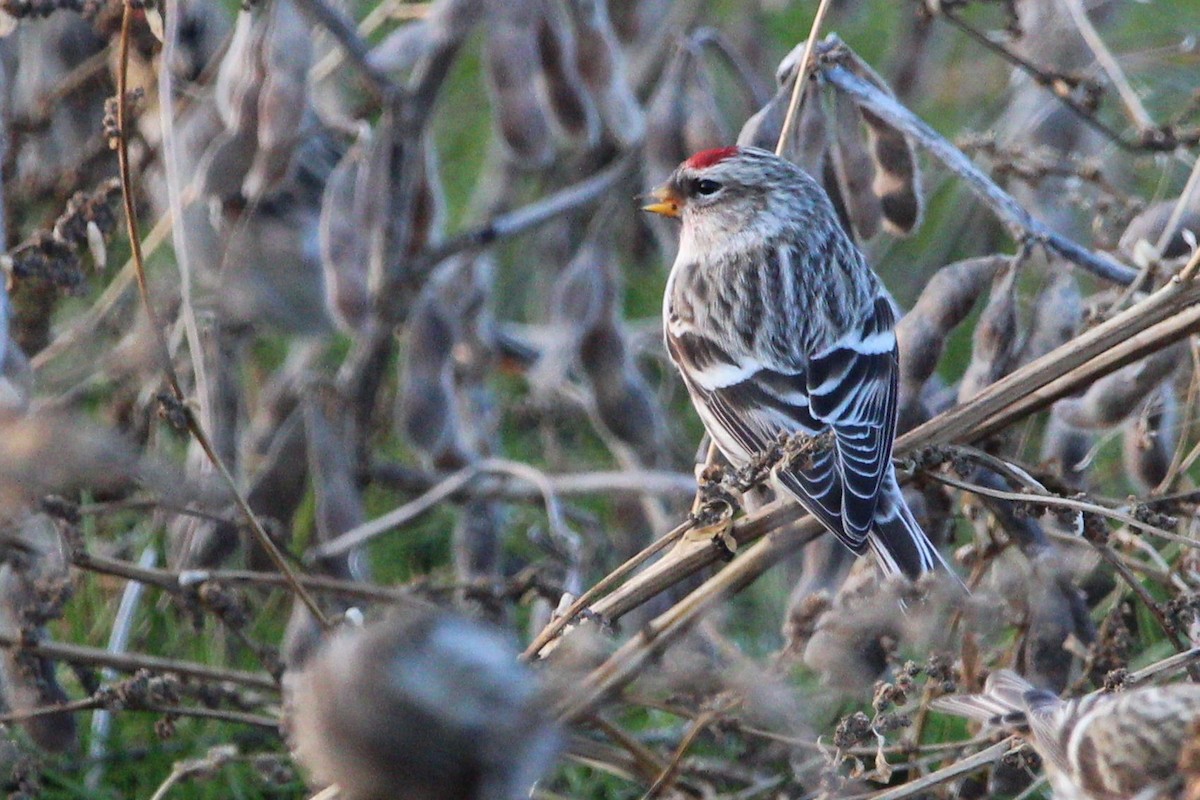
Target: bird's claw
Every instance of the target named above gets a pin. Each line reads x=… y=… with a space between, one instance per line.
x=712 y=520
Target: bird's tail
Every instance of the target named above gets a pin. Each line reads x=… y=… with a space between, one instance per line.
x=899 y=544
x=1003 y=703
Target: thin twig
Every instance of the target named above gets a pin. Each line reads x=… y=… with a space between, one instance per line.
x=127 y=662
x=1172 y=664
x=988 y=755
x=581 y=603
x=1133 y=103
x=802 y=72
x=361 y=534
x=667 y=778
x=526 y=218
x=179 y=233
x=1185 y=202
x=1064 y=502
x=354 y=46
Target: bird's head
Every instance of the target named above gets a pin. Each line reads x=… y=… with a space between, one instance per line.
x=730 y=191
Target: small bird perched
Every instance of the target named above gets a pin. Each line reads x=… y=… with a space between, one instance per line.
x=1096 y=747
x=778 y=326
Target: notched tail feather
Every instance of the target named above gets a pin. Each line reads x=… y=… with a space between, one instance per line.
x=900 y=545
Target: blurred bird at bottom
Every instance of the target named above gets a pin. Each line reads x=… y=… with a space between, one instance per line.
x=1136 y=744
x=425 y=705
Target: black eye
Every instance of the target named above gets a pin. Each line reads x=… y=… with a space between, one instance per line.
x=705 y=186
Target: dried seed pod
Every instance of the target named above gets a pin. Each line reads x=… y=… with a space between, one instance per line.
x=262 y=97
x=809 y=143
x=854 y=170
x=994 y=341
x=35 y=583
x=666 y=116
x=450 y=312
x=945 y=302
x=344 y=241
x=1065 y=450
x=329 y=435
x=1150 y=225
x=602 y=66
x=57 y=135
x=559 y=80
x=897 y=181
x=1058 y=313
x=339 y=505
x=868 y=182
x=424 y=705
x=400 y=213
x=510 y=51
x=282 y=97
x=1114 y=397
x=476 y=543
x=586 y=308
x=241 y=73
x=1148 y=441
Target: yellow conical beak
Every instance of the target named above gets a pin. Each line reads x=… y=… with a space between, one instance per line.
x=666 y=202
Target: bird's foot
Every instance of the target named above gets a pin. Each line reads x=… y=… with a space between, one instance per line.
x=713 y=511
x=799 y=449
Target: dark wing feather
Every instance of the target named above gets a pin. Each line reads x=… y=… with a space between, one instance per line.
x=746 y=407
x=853 y=387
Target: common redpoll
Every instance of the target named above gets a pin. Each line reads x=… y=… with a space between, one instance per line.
x=779 y=327
x=1096 y=747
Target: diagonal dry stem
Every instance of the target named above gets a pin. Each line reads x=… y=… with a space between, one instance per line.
x=135 y=243
x=802 y=71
